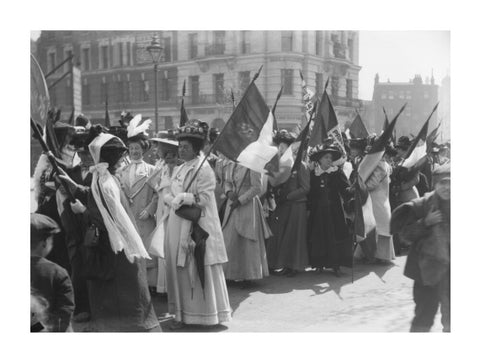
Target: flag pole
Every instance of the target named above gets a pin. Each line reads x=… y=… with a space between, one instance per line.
x=221 y=133
x=233 y=99
x=276 y=100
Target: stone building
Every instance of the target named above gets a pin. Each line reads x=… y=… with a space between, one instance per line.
x=420 y=97
x=115 y=65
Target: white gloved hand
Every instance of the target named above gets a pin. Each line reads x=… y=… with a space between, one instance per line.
x=183 y=198
x=188 y=198
x=77 y=207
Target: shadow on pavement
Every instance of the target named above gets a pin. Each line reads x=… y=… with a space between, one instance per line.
x=318 y=282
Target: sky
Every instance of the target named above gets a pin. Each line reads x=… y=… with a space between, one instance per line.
x=396 y=55
x=399 y=55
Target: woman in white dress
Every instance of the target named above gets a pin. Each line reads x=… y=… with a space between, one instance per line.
x=141 y=195
x=188 y=300
x=161 y=181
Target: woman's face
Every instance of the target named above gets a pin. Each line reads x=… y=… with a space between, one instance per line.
x=185 y=150
x=135 y=151
x=171 y=158
x=326 y=161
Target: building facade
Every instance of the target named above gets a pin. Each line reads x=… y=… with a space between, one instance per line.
x=420 y=97
x=444 y=109
x=116 y=66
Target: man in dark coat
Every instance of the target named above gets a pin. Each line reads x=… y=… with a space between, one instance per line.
x=425 y=223
x=49 y=281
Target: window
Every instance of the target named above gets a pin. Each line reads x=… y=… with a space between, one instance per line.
x=350 y=48
x=120 y=54
x=51 y=61
x=85 y=59
x=195 y=89
x=119 y=89
x=165 y=87
x=167 y=44
x=168 y=122
x=85 y=93
x=244 y=42
x=408 y=95
x=401 y=95
x=287 y=41
x=193 y=45
x=243 y=80
x=218 y=86
x=318 y=42
x=144 y=91
x=68 y=54
x=391 y=95
x=103 y=91
x=104 y=56
x=304 y=42
x=384 y=96
x=218 y=46
x=334 y=86
x=318 y=84
x=426 y=95
x=287 y=81
x=349 y=89
x=129 y=53
x=128 y=91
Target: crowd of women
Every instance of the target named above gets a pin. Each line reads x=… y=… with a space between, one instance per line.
x=187 y=225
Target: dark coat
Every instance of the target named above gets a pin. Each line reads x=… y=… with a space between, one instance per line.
x=429 y=258
x=330 y=244
x=118 y=290
x=52 y=282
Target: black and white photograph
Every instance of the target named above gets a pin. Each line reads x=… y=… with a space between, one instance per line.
x=244 y=179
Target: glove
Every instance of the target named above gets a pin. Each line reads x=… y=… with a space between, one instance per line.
x=77 y=207
x=184 y=198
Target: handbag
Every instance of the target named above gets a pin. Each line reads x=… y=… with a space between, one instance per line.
x=189 y=212
x=92 y=236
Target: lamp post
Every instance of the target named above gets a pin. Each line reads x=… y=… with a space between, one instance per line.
x=155 y=49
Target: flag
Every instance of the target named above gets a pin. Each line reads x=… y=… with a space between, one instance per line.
x=275 y=124
x=247 y=136
x=72 y=116
x=433 y=136
x=393 y=138
x=357 y=129
x=319 y=131
x=183 y=112
x=418 y=148
x=308 y=97
x=375 y=154
x=107 y=116
x=330 y=128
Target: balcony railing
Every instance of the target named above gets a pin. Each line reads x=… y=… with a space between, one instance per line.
x=345 y=102
x=215 y=49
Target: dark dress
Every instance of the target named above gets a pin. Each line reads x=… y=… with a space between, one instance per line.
x=118 y=290
x=329 y=241
x=287 y=248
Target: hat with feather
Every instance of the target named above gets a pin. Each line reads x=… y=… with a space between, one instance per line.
x=137 y=133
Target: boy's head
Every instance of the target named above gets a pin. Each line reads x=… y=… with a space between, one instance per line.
x=42 y=229
x=441 y=181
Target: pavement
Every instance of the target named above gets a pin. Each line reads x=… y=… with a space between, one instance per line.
x=378 y=300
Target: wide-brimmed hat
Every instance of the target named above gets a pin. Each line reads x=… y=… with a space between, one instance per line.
x=320 y=150
x=194 y=129
x=283 y=136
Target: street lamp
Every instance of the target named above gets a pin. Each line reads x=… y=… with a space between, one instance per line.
x=155 y=49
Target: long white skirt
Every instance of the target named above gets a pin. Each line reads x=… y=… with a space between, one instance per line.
x=186 y=299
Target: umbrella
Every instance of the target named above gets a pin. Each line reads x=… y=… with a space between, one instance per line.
x=200 y=236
